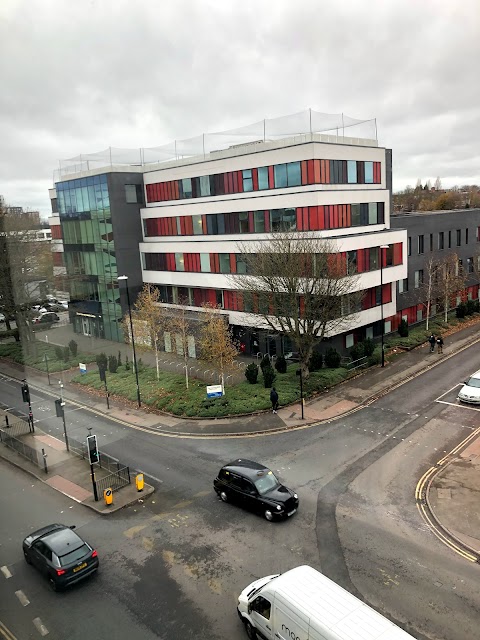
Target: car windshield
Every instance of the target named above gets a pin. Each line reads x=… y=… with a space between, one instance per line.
x=75 y=555
x=474 y=382
x=266 y=483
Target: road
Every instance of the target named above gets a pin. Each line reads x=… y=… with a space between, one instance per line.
x=176 y=563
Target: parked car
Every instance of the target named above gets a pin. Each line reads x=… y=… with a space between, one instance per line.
x=470 y=392
x=46 y=318
x=2 y=317
x=253 y=486
x=60 y=554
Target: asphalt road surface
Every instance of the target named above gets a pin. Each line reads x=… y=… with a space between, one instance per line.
x=174 y=565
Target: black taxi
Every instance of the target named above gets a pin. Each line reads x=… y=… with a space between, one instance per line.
x=253 y=486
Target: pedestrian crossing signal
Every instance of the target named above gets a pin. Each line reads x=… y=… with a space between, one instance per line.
x=25 y=392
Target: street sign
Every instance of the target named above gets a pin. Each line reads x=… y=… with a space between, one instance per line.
x=214 y=391
x=83 y=367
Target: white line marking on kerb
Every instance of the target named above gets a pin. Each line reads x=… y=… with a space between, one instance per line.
x=23 y=598
x=6 y=572
x=41 y=628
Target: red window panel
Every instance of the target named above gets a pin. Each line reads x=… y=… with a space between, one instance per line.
x=398 y=253
x=56 y=230
x=224 y=176
x=160 y=192
x=255 y=179
x=335 y=216
x=321 y=217
x=170 y=260
x=235 y=182
x=233 y=263
x=349 y=216
x=183 y=230
x=377 y=172
x=328 y=216
x=303 y=166
x=313 y=218
x=176 y=190
x=197 y=297
x=231 y=188
x=361 y=260
x=316 y=171
x=240 y=181
x=168 y=222
x=251 y=224
x=212 y=263
x=239 y=297
x=153 y=193
x=212 y=297
x=217 y=263
x=198 y=266
x=327 y=172
x=204 y=223
x=322 y=171
x=306 y=219
x=168 y=190
x=299 y=217
x=387 y=292
x=188 y=226
x=147 y=192
x=267 y=221
x=310 y=174
x=342 y=262
x=186 y=262
x=271 y=178
x=228 y=300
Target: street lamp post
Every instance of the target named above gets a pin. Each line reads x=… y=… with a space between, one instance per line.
x=384 y=246
x=125 y=279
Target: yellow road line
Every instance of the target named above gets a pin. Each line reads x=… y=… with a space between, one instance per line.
x=6 y=633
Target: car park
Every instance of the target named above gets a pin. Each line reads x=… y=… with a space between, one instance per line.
x=253 y=486
x=60 y=554
x=470 y=392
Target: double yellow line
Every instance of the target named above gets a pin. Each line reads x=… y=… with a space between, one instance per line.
x=421 y=490
x=8 y=635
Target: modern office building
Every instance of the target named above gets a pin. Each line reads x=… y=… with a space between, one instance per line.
x=99 y=220
x=199 y=209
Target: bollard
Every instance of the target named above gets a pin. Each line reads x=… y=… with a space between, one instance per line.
x=108 y=496
x=139 y=481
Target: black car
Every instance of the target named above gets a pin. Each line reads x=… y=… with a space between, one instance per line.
x=47 y=317
x=255 y=487
x=60 y=554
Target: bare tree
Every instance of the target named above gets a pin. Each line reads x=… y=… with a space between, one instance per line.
x=178 y=325
x=438 y=184
x=301 y=286
x=216 y=343
x=149 y=319
x=430 y=287
x=26 y=269
x=451 y=282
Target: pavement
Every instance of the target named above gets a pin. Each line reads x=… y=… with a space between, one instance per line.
x=453 y=487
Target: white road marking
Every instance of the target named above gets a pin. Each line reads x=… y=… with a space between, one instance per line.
x=41 y=628
x=6 y=572
x=458 y=405
x=24 y=601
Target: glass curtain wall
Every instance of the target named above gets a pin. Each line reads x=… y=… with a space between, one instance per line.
x=85 y=216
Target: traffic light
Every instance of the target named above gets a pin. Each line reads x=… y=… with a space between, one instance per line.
x=25 y=392
x=59 y=408
x=93 y=454
x=102 y=373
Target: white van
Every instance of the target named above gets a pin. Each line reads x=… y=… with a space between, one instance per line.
x=303 y=604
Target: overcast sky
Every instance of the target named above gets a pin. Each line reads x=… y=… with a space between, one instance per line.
x=78 y=76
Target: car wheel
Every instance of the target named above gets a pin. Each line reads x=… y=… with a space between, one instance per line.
x=250 y=631
x=27 y=559
x=223 y=496
x=53 y=584
x=268 y=515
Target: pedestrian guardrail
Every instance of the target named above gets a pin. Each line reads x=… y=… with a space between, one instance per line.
x=114 y=481
x=21 y=448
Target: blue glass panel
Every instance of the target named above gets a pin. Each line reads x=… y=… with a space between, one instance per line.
x=352 y=171
x=103 y=179
x=368 y=172
x=263 y=178
x=96 y=179
x=294 y=174
x=280 y=172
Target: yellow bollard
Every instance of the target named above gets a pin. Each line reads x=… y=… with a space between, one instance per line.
x=108 y=496
x=139 y=481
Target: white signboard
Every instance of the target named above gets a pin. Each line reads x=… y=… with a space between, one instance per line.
x=83 y=367
x=215 y=391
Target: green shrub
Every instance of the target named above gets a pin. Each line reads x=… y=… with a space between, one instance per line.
x=59 y=352
x=316 y=361
x=139 y=364
x=357 y=351
x=112 y=364
x=265 y=362
x=461 y=310
x=10 y=333
x=375 y=357
x=101 y=361
x=269 y=376
x=66 y=354
x=127 y=364
x=332 y=358
x=470 y=307
x=476 y=306
x=368 y=347
x=119 y=359
x=281 y=364
x=403 y=328
x=73 y=346
x=251 y=373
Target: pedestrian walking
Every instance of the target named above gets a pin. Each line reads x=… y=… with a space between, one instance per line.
x=274 y=399
x=439 y=344
x=432 y=340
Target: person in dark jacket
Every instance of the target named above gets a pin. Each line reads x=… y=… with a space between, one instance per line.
x=274 y=399
x=439 y=344
x=432 y=340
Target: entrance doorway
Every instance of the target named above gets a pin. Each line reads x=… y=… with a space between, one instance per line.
x=86 y=326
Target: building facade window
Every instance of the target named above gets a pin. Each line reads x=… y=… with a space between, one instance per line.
x=409 y=246
x=418 y=278
x=466 y=235
x=431 y=242
x=205 y=262
x=441 y=240
x=459 y=237
x=421 y=243
x=351 y=172
x=224 y=262
x=449 y=239
x=247 y=180
x=132 y=193
x=402 y=286
x=259 y=221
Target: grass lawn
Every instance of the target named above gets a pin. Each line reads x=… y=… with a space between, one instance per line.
x=15 y=352
x=170 y=394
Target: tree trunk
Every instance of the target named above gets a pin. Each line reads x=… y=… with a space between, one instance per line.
x=428 y=314
x=186 y=373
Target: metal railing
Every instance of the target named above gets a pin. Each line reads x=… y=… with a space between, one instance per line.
x=22 y=449
x=114 y=481
x=14 y=425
